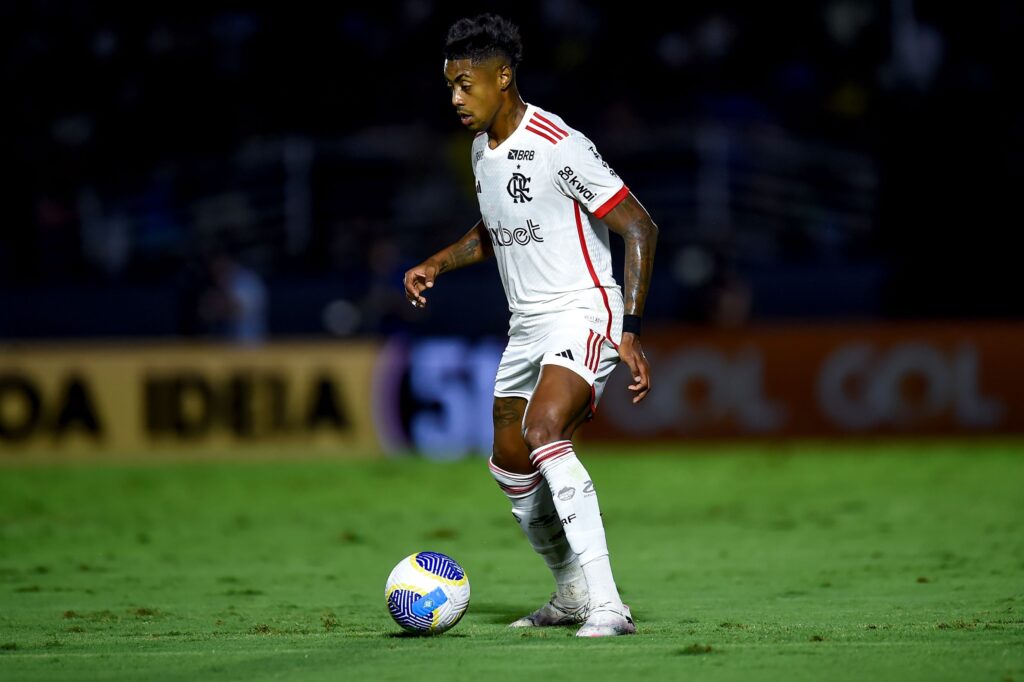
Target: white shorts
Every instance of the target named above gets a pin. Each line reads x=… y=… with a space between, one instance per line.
x=574 y=335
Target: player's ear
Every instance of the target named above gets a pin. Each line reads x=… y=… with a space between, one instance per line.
x=504 y=77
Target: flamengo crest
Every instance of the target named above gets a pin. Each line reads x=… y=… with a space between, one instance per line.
x=519 y=189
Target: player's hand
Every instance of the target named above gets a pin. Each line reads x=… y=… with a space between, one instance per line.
x=633 y=355
x=418 y=280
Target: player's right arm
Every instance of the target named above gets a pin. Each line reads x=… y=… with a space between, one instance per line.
x=474 y=247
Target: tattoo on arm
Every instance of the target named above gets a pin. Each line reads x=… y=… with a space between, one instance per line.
x=631 y=220
x=640 y=242
x=473 y=247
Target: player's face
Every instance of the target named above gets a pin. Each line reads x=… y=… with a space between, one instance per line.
x=476 y=90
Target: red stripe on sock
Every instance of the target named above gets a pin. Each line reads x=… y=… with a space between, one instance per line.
x=528 y=481
x=551 y=456
x=550 y=446
x=560 y=451
x=518 y=490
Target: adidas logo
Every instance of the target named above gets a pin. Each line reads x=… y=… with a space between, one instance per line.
x=566 y=354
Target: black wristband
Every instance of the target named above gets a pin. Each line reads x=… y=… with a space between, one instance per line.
x=631 y=324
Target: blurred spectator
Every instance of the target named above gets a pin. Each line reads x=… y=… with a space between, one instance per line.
x=711 y=290
x=384 y=308
x=191 y=284
x=234 y=306
x=729 y=299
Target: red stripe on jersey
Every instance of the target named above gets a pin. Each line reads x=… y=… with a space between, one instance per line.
x=589 y=339
x=544 y=135
x=590 y=267
x=536 y=123
x=551 y=124
x=595 y=353
x=611 y=203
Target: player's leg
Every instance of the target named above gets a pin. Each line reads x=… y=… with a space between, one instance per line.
x=560 y=403
x=525 y=488
x=535 y=513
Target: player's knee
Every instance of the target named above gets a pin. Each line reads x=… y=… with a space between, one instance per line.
x=542 y=429
x=511 y=456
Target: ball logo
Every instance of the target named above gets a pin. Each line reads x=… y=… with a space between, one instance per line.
x=428 y=603
x=519 y=188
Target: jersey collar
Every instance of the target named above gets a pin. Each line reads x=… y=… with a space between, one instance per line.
x=522 y=123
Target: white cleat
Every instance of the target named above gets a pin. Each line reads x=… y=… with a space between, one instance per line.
x=607 y=620
x=558 y=611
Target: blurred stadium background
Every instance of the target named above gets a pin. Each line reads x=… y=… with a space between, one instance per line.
x=206 y=214
x=835 y=186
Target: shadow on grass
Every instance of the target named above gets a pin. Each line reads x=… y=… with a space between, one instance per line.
x=499 y=613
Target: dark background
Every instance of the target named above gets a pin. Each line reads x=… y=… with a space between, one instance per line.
x=840 y=160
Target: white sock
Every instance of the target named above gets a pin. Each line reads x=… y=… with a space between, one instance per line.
x=535 y=512
x=574 y=497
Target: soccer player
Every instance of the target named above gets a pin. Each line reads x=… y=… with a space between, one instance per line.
x=547 y=201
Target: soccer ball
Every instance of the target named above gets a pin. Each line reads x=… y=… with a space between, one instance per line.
x=427 y=592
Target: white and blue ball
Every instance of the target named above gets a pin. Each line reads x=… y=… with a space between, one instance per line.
x=427 y=592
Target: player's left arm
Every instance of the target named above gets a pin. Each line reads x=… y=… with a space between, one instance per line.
x=632 y=221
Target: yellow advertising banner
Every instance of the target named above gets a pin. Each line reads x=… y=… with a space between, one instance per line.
x=285 y=398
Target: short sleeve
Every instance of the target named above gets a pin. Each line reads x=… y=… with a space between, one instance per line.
x=581 y=174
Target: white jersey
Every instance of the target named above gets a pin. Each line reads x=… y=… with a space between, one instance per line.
x=542 y=192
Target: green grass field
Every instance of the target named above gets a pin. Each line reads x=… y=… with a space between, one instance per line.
x=884 y=561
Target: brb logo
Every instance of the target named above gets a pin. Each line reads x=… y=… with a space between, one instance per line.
x=502 y=236
x=520 y=154
x=519 y=188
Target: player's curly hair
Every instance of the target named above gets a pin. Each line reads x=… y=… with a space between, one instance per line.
x=484 y=36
